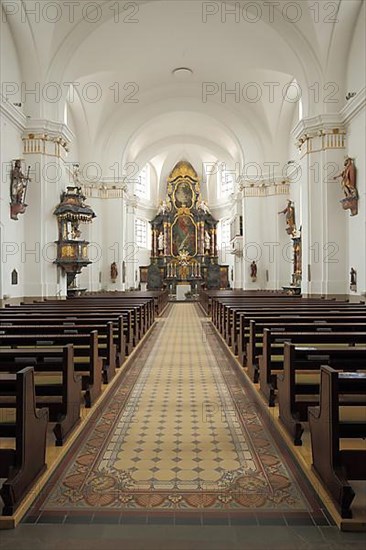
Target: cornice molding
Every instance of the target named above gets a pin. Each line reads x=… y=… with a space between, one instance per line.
x=38 y=127
x=265 y=189
x=12 y=114
x=353 y=107
x=328 y=131
x=48 y=128
x=312 y=126
x=103 y=191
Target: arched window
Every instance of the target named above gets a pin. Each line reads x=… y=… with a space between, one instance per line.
x=226 y=181
x=300 y=109
x=141 y=232
x=224 y=234
x=142 y=185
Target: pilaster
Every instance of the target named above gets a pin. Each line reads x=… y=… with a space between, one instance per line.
x=45 y=148
x=322 y=141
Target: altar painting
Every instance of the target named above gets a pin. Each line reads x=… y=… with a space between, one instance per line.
x=183 y=195
x=184 y=236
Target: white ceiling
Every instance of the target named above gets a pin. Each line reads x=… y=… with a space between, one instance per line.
x=169 y=118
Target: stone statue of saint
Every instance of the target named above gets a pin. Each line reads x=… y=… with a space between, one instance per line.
x=161 y=241
x=253 y=271
x=114 y=272
x=348 y=176
x=202 y=205
x=76 y=174
x=19 y=183
x=353 y=281
x=164 y=207
x=290 y=217
x=207 y=240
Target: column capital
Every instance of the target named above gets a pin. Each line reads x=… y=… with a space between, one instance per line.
x=104 y=191
x=266 y=188
x=46 y=137
x=320 y=133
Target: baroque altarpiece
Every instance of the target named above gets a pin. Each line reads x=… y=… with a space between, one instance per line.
x=184 y=238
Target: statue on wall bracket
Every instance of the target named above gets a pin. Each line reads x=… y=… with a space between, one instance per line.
x=18 y=189
x=348 y=175
x=253 y=271
x=290 y=218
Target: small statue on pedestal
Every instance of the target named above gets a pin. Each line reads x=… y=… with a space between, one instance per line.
x=353 y=281
x=202 y=205
x=164 y=207
x=161 y=243
x=207 y=240
x=114 y=272
x=253 y=271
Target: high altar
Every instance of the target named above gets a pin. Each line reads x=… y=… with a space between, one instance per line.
x=184 y=238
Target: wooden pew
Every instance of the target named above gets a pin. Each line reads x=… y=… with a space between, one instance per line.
x=298 y=386
x=122 y=334
x=106 y=347
x=340 y=418
x=87 y=362
x=144 y=307
x=236 y=338
x=22 y=464
x=272 y=319
x=302 y=324
x=56 y=386
x=227 y=311
x=130 y=317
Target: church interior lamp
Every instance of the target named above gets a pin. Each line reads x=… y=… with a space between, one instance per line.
x=72 y=251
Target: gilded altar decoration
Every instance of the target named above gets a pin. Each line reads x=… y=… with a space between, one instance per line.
x=72 y=250
x=184 y=238
x=348 y=181
x=18 y=189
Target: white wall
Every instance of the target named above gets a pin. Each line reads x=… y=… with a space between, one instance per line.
x=356 y=225
x=357 y=55
x=10 y=69
x=12 y=232
x=356 y=147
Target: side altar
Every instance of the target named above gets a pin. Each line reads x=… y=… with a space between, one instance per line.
x=184 y=238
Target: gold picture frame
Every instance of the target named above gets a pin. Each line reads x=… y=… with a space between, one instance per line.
x=180 y=194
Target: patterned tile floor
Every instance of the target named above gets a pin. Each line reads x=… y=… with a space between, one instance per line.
x=179 y=435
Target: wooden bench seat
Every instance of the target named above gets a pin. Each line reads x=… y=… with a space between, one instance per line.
x=106 y=347
x=332 y=421
x=130 y=319
x=230 y=313
x=56 y=385
x=87 y=361
x=298 y=385
x=304 y=324
x=121 y=327
x=22 y=463
x=273 y=320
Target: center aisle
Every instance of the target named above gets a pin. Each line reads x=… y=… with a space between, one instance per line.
x=182 y=438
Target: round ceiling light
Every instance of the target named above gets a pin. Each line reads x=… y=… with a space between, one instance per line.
x=182 y=72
